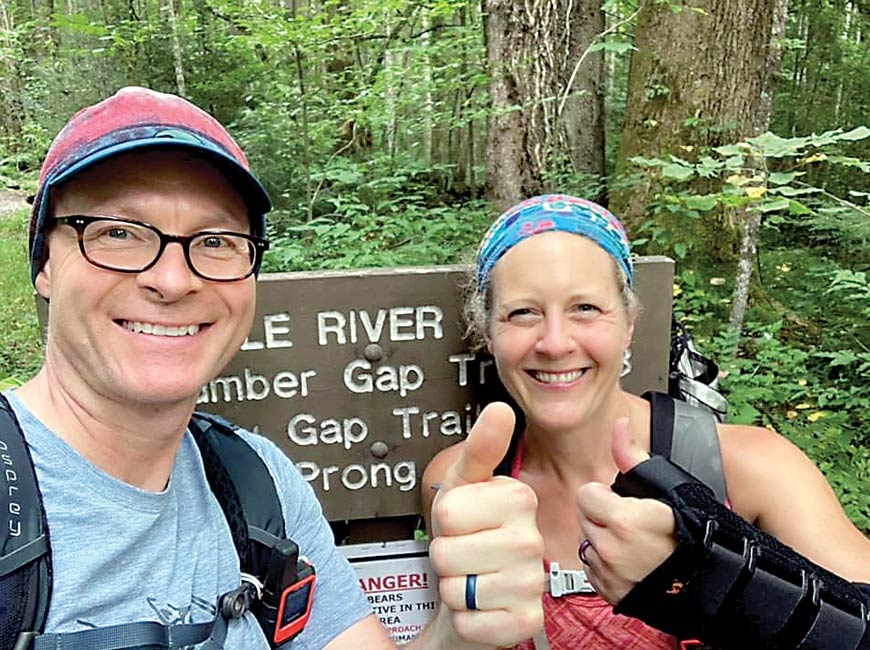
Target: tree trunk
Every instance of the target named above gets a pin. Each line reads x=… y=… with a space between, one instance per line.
x=752 y=220
x=698 y=77
x=177 y=52
x=547 y=120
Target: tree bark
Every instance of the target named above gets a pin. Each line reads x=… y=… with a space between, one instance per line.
x=752 y=220
x=547 y=122
x=177 y=52
x=698 y=77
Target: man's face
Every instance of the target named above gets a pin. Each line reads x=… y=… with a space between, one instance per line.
x=153 y=337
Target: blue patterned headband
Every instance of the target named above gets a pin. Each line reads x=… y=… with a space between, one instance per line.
x=556 y=212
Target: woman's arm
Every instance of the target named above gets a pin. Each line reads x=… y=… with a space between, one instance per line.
x=727 y=582
x=772 y=484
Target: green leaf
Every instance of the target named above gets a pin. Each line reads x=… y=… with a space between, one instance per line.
x=797 y=208
x=729 y=150
x=734 y=162
x=782 y=178
x=858 y=133
x=646 y=162
x=676 y=171
x=774 y=206
x=707 y=166
x=787 y=190
x=842 y=358
x=777 y=147
x=702 y=203
x=849 y=161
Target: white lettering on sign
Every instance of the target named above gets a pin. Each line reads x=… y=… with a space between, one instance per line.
x=273 y=330
x=359 y=378
x=305 y=430
x=357 y=476
x=253 y=387
x=398 y=323
x=462 y=361
x=447 y=423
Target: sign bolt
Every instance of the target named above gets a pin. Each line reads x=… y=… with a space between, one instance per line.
x=379 y=449
x=373 y=352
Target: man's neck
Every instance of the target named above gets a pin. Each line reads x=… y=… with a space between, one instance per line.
x=136 y=444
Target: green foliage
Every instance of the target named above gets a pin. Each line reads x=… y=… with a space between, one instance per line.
x=20 y=338
x=371 y=219
x=767 y=174
x=802 y=363
x=820 y=87
x=367 y=123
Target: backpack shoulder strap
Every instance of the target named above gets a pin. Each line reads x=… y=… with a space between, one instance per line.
x=661 y=431
x=240 y=481
x=244 y=488
x=687 y=436
x=25 y=554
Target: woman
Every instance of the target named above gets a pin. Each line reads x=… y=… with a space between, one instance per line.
x=553 y=301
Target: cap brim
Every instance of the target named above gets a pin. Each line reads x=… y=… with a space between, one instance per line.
x=243 y=180
x=246 y=184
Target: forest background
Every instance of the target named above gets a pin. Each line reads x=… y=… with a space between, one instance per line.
x=730 y=135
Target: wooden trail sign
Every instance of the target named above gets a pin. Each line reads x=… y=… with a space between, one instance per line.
x=362 y=376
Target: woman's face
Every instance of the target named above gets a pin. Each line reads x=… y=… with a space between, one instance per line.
x=558 y=328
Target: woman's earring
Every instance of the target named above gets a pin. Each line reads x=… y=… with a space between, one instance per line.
x=626 y=363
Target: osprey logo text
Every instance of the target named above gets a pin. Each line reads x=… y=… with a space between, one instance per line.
x=14 y=507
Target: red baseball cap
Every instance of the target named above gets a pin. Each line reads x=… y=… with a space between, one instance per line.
x=132 y=119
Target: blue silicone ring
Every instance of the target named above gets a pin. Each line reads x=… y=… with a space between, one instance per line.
x=471 y=591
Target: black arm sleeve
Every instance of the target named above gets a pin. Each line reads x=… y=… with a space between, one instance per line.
x=733 y=586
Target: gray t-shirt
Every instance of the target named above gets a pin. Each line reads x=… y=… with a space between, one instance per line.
x=121 y=554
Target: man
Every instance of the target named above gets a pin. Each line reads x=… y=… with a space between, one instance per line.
x=146 y=237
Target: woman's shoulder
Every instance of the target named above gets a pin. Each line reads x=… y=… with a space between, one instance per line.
x=775 y=485
x=747 y=446
x=760 y=466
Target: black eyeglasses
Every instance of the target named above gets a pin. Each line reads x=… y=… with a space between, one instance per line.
x=132 y=247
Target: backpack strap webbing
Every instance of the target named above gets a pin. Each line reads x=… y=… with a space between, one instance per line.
x=244 y=488
x=686 y=435
x=25 y=561
x=141 y=634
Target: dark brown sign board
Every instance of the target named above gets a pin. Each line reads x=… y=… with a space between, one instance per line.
x=362 y=376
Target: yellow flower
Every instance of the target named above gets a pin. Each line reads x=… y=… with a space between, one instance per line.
x=756 y=191
x=802 y=382
x=812 y=417
x=816 y=157
x=803 y=406
x=677 y=290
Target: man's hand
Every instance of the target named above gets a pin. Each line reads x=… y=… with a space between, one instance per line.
x=486 y=526
x=628 y=537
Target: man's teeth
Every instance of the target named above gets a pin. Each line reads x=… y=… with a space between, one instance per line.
x=558 y=377
x=161 y=330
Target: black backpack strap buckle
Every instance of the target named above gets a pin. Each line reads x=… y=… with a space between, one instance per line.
x=235 y=603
